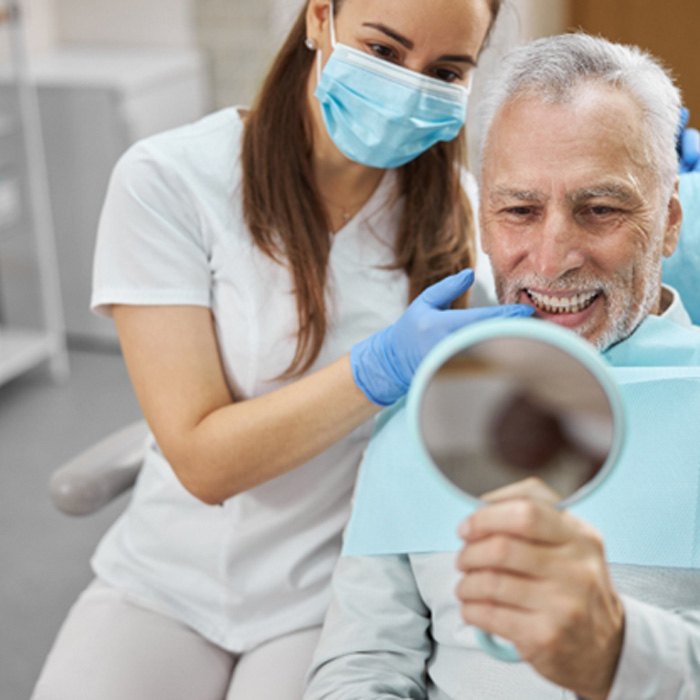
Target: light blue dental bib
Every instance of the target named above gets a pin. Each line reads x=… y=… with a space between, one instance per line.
x=648 y=509
x=680 y=271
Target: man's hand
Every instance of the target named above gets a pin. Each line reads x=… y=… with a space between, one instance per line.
x=538 y=577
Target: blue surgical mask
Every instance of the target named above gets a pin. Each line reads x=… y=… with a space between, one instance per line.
x=383 y=115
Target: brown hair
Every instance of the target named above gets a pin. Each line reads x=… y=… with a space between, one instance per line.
x=288 y=221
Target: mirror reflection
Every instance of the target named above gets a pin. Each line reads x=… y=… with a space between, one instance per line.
x=507 y=409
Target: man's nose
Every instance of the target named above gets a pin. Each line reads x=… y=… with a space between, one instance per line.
x=559 y=246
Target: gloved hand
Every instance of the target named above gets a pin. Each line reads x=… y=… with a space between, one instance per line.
x=384 y=364
x=688 y=145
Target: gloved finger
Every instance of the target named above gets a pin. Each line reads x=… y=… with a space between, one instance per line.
x=441 y=294
x=684 y=116
x=457 y=318
x=690 y=150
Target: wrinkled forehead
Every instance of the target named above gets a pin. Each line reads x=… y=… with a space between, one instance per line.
x=594 y=134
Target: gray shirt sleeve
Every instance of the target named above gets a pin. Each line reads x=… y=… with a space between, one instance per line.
x=375 y=640
x=660 y=654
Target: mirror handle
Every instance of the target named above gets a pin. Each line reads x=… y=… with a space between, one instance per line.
x=497 y=647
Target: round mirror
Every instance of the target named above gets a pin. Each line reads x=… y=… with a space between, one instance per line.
x=511 y=400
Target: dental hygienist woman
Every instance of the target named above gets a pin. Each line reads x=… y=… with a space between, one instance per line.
x=258 y=265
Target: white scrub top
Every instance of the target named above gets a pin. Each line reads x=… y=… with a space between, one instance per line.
x=172 y=232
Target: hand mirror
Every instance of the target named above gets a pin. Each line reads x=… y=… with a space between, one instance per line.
x=507 y=400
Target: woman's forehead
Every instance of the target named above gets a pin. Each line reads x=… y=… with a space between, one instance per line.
x=451 y=24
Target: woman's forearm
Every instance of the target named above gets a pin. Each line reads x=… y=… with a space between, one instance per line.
x=246 y=443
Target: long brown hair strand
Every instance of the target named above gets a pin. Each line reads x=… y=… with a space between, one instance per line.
x=286 y=216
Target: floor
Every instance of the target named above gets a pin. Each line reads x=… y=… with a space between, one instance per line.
x=44 y=555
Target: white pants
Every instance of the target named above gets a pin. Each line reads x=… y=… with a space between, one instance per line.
x=110 y=648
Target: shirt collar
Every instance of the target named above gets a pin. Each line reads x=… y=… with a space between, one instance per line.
x=675 y=311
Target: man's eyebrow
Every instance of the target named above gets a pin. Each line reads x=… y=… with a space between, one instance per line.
x=610 y=190
x=404 y=41
x=501 y=192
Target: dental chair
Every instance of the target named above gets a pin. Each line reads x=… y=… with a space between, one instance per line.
x=98 y=475
x=104 y=471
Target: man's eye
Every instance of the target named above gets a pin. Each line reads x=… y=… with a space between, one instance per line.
x=519 y=211
x=602 y=210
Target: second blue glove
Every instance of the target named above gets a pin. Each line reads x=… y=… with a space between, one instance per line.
x=687 y=145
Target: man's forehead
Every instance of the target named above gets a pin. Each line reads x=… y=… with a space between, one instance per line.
x=591 y=145
x=589 y=101
x=594 y=118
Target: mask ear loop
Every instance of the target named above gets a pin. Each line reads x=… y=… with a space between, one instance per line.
x=318 y=65
x=331 y=19
x=470 y=82
x=319 y=58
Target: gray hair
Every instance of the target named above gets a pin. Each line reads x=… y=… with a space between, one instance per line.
x=553 y=68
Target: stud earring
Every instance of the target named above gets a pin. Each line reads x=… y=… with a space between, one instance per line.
x=310 y=44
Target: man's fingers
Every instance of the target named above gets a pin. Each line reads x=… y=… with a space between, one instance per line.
x=508 y=554
x=522 y=517
x=509 y=623
x=533 y=487
x=501 y=588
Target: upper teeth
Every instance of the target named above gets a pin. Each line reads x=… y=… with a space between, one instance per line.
x=562 y=304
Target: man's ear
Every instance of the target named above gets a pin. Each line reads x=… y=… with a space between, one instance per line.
x=674 y=218
x=317 y=15
x=484 y=236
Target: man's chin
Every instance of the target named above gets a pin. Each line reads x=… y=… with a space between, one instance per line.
x=603 y=339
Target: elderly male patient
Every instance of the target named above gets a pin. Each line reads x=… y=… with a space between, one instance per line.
x=578 y=207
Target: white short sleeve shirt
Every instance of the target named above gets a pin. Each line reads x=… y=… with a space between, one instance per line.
x=172 y=232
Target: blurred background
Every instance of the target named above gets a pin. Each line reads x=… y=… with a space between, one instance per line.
x=80 y=80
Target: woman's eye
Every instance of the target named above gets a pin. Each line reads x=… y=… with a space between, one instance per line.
x=447 y=75
x=382 y=51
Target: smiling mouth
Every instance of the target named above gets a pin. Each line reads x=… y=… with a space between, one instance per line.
x=552 y=304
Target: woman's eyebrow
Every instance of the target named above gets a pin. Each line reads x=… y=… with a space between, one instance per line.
x=393 y=34
x=458 y=58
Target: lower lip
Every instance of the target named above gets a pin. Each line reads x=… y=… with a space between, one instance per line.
x=568 y=320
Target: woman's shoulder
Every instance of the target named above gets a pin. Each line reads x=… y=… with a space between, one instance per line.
x=206 y=151
x=211 y=132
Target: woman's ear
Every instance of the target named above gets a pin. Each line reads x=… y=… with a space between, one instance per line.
x=317 y=17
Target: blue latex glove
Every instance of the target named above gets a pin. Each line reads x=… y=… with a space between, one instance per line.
x=384 y=364
x=688 y=145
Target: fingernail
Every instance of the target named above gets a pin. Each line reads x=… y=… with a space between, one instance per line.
x=463 y=530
